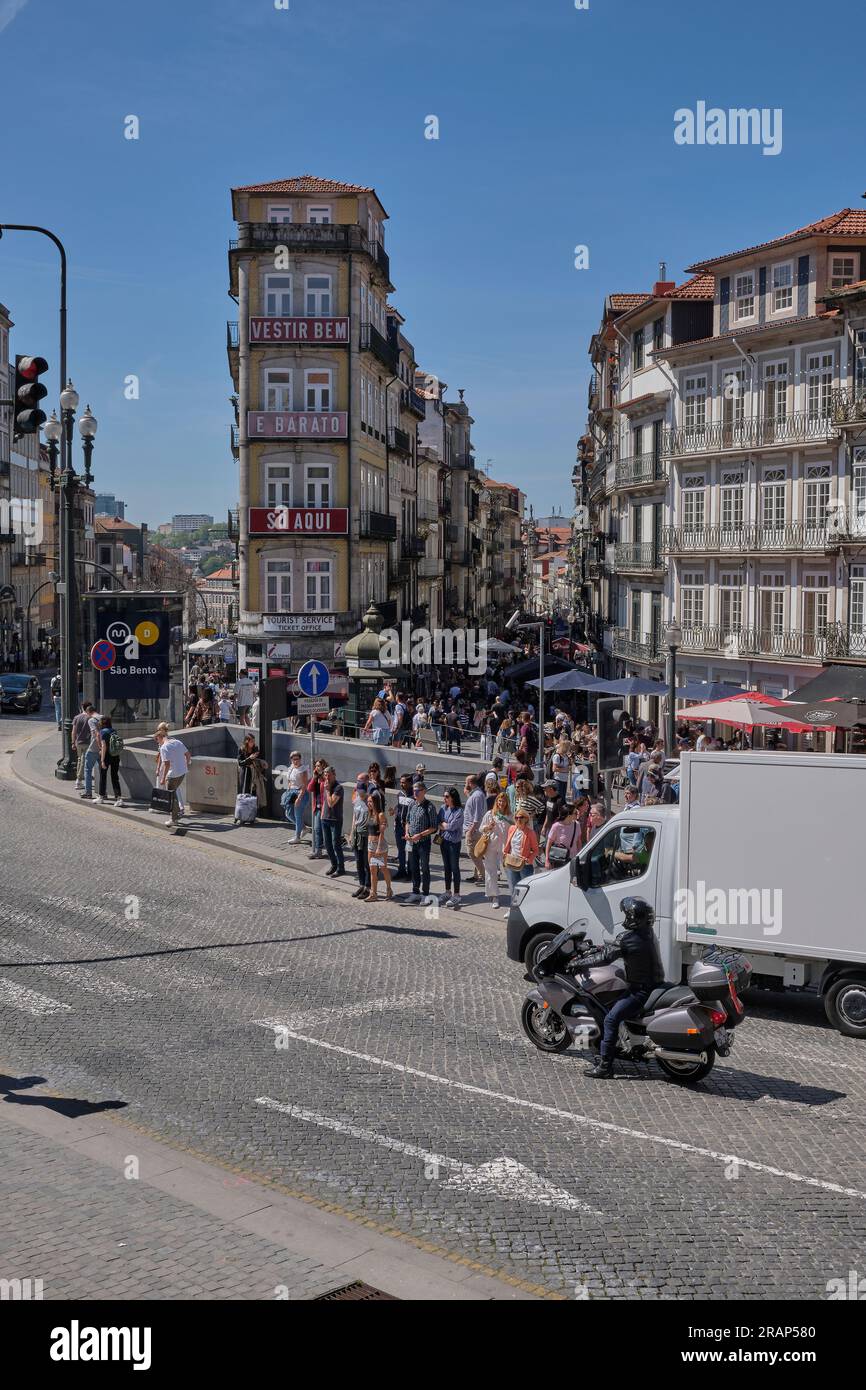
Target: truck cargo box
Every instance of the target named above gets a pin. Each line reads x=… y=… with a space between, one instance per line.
x=773 y=853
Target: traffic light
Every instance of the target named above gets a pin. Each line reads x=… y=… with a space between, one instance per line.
x=27 y=418
x=610 y=715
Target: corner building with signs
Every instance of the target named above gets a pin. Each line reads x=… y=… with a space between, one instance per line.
x=311 y=355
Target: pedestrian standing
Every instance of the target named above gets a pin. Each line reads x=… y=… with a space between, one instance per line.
x=56 y=695
x=521 y=849
x=92 y=755
x=174 y=760
x=377 y=845
x=400 y=812
x=111 y=747
x=398 y=720
x=361 y=836
x=450 y=821
x=315 y=791
x=81 y=740
x=332 y=823
x=421 y=826
x=294 y=799
x=491 y=844
x=476 y=809
x=378 y=725
x=561 y=766
x=453 y=729
x=563 y=840
x=226 y=709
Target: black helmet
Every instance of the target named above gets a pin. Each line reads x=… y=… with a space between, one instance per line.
x=637 y=913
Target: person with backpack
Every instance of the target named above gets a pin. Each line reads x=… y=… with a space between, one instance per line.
x=56 y=693
x=81 y=741
x=111 y=747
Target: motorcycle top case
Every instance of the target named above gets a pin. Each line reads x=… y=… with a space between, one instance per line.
x=708 y=980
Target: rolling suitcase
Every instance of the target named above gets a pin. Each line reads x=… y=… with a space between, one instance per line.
x=246 y=809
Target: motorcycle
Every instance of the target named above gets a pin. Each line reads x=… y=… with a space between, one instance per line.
x=681 y=1027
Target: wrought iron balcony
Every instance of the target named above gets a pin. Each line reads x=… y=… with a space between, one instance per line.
x=597 y=482
x=413 y=547
x=848 y=407
x=647 y=649
x=640 y=470
x=398 y=439
x=792 y=539
x=382 y=259
x=428 y=567
x=637 y=555
x=402 y=569
x=753 y=432
x=377 y=526
x=410 y=400
x=374 y=341
x=822 y=644
x=462 y=460
x=302 y=236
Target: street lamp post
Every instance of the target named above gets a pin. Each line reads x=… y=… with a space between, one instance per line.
x=674 y=640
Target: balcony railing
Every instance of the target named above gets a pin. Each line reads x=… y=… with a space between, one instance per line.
x=410 y=400
x=412 y=547
x=302 y=236
x=377 y=526
x=754 y=432
x=597 y=482
x=793 y=538
x=848 y=407
x=824 y=644
x=633 y=647
x=428 y=510
x=398 y=439
x=462 y=460
x=382 y=259
x=639 y=470
x=428 y=567
x=637 y=555
x=374 y=341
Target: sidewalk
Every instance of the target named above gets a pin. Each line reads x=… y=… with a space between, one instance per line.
x=34 y=762
x=93 y=1207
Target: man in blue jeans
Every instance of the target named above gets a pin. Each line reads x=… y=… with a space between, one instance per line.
x=92 y=756
x=421 y=826
x=400 y=812
x=332 y=823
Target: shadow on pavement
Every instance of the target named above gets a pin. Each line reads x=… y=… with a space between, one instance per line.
x=67 y=1106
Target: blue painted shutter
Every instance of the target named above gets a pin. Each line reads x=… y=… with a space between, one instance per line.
x=803 y=285
x=724 y=302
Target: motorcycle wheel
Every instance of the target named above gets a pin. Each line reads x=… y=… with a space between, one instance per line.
x=544 y=1027
x=687 y=1073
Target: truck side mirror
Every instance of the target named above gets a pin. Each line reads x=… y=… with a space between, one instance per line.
x=580 y=872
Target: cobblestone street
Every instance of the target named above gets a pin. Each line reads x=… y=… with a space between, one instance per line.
x=370 y=1060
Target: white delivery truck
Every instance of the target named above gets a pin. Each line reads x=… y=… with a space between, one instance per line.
x=765 y=854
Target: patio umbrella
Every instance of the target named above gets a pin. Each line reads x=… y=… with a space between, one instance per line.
x=745 y=713
x=572 y=680
x=710 y=690
x=635 y=685
x=498 y=647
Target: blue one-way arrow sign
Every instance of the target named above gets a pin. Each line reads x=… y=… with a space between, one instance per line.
x=313 y=678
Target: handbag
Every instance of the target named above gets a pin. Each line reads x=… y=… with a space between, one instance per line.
x=161 y=799
x=514 y=861
x=481 y=844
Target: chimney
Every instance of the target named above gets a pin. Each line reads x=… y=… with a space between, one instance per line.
x=663 y=285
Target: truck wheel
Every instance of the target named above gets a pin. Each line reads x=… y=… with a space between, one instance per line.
x=544 y=1027
x=845 y=1006
x=534 y=946
x=687 y=1073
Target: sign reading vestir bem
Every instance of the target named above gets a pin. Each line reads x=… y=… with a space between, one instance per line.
x=141 y=636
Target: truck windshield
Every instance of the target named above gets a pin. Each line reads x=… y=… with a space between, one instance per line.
x=624 y=851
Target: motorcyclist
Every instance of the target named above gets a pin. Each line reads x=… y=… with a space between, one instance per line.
x=638 y=948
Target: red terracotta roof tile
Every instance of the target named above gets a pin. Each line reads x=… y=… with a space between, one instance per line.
x=622 y=302
x=699 y=287
x=304 y=183
x=848 y=222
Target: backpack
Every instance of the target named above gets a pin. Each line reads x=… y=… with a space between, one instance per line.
x=115 y=744
x=55 y=685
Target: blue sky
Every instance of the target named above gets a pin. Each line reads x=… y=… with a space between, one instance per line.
x=556 y=129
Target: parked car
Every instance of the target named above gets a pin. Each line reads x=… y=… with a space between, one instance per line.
x=20 y=693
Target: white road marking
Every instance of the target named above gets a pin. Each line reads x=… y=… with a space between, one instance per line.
x=87 y=980
x=29 y=1000
x=503 y=1177
x=335 y=1012
x=604 y=1126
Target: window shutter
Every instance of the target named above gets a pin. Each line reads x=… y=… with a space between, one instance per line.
x=724 y=302
x=762 y=294
x=803 y=286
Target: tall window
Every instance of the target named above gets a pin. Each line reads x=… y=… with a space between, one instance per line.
x=817 y=509
x=695 y=402
x=776 y=391
x=278 y=389
x=732 y=502
x=783 y=287
x=637 y=441
x=659 y=332
x=637 y=350
x=317 y=289
x=771 y=609
x=744 y=296
x=693 y=497
x=635 y=614
x=318 y=484
x=820 y=383
x=692 y=599
x=858 y=493
x=318 y=574
x=842 y=271
x=860 y=360
x=730 y=603
x=280 y=212
x=278 y=296
x=816 y=610
x=857 y=602
x=317 y=386
x=733 y=401
x=637 y=524
x=773 y=500
x=279 y=485
x=278 y=575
